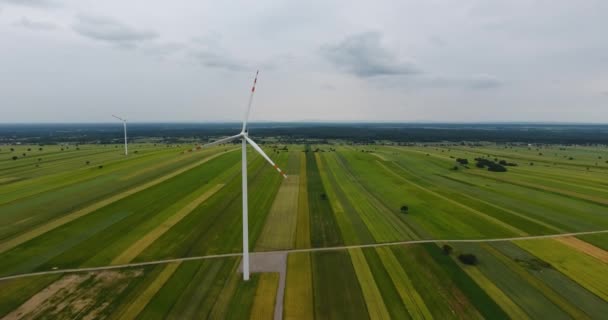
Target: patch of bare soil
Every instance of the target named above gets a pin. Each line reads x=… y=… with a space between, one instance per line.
x=83 y=295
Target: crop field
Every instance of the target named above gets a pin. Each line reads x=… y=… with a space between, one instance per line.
x=366 y=232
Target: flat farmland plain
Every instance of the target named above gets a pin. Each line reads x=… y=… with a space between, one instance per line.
x=367 y=231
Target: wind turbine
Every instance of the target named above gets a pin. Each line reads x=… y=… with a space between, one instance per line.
x=124 y=122
x=244 y=136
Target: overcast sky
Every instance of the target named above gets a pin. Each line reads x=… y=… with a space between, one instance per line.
x=193 y=60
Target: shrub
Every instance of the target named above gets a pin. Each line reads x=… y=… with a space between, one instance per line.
x=15 y=158
x=404 y=209
x=492 y=166
x=447 y=249
x=323 y=196
x=462 y=161
x=468 y=258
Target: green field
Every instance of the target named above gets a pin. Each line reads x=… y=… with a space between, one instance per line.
x=67 y=207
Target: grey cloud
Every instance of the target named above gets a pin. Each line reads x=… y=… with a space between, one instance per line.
x=484 y=81
x=328 y=87
x=220 y=60
x=476 y=81
x=110 y=30
x=209 y=52
x=35 y=25
x=164 y=49
x=364 y=56
x=33 y=3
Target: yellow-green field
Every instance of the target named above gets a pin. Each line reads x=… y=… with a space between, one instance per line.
x=68 y=207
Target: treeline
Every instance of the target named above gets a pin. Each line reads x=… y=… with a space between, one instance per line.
x=359 y=133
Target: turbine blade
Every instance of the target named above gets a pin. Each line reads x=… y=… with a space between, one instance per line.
x=119 y=118
x=220 y=141
x=250 y=101
x=260 y=151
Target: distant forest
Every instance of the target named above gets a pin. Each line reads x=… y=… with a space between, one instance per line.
x=302 y=132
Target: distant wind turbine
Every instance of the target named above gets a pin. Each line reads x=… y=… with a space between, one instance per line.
x=124 y=122
x=244 y=136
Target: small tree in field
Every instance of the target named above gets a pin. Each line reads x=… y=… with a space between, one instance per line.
x=15 y=158
x=323 y=196
x=404 y=209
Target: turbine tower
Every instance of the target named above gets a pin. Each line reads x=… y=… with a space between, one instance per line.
x=124 y=122
x=244 y=136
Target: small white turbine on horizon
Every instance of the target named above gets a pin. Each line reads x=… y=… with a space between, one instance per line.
x=124 y=122
x=243 y=135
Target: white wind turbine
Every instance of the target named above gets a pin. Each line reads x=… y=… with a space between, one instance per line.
x=124 y=122
x=245 y=138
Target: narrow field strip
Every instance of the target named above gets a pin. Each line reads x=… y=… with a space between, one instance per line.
x=140 y=303
x=7 y=245
x=303 y=223
x=549 y=293
x=298 y=291
x=265 y=297
x=373 y=298
x=572 y=194
x=140 y=245
x=411 y=299
x=154 y=167
x=577 y=265
x=279 y=231
x=585 y=247
x=517 y=214
x=371 y=245
x=502 y=299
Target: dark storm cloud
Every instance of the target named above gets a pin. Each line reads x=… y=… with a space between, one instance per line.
x=112 y=31
x=33 y=3
x=364 y=56
x=34 y=25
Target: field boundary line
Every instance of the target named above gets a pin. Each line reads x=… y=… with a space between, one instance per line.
x=371 y=245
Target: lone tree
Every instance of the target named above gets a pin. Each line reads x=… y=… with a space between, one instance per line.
x=323 y=196
x=15 y=157
x=404 y=209
x=468 y=258
x=447 y=249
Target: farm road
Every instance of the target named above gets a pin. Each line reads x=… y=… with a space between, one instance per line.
x=284 y=252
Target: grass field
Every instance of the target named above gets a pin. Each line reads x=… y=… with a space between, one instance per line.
x=65 y=207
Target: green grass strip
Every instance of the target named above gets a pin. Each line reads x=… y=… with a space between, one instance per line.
x=371 y=293
x=586 y=270
x=486 y=306
x=303 y=223
x=553 y=296
x=411 y=299
x=503 y=300
x=298 y=288
x=142 y=300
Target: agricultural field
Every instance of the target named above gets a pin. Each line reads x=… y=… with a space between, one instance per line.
x=436 y=231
